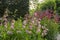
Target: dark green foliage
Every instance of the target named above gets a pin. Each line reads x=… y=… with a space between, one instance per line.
x=58 y=6
x=21 y=6
x=53 y=28
x=2 y=7
x=12 y=5
x=58 y=3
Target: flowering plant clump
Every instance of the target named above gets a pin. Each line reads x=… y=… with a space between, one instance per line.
x=46 y=13
x=49 y=14
x=32 y=25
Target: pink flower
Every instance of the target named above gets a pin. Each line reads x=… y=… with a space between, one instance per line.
x=38 y=30
x=44 y=31
x=33 y=21
x=39 y=19
x=42 y=16
x=49 y=14
x=30 y=27
x=35 y=14
x=57 y=18
x=12 y=26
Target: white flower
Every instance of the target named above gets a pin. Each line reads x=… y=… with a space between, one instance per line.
x=24 y=22
x=43 y=27
x=5 y=26
x=32 y=4
x=9 y=32
x=39 y=26
x=23 y=26
x=40 y=1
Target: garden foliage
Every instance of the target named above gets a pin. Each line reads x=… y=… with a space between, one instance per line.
x=41 y=25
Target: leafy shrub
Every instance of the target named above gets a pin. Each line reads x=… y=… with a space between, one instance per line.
x=53 y=28
x=48 y=4
x=31 y=28
x=28 y=29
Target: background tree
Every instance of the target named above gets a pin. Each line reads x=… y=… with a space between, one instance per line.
x=17 y=8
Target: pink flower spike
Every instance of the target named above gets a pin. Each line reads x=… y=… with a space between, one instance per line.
x=12 y=26
x=35 y=14
x=30 y=27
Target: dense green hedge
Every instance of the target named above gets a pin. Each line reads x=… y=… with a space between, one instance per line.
x=22 y=7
